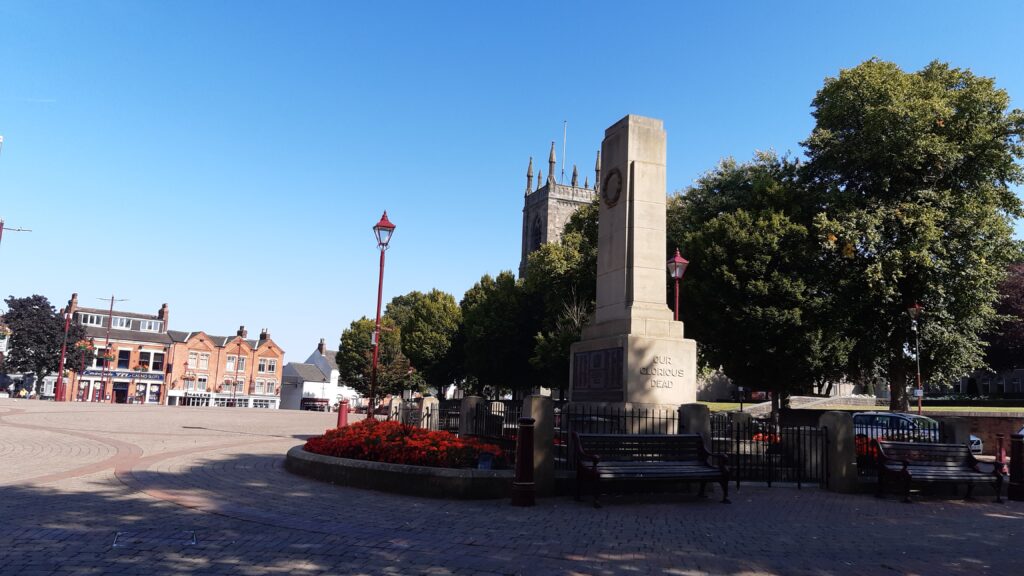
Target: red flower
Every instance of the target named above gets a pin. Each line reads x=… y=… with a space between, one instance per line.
x=397 y=443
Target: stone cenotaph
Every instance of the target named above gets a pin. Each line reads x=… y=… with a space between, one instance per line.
x=633 y=352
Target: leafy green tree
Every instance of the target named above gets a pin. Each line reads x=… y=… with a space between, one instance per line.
x=37 y=333
x=428 y=324
x=355 y=359
x=498 y=329
x=1006 y=342
x=914 y=171
x=753 y=291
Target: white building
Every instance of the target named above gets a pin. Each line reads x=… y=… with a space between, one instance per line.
x=314 y=384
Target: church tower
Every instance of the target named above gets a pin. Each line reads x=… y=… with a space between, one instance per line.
x=548 y=207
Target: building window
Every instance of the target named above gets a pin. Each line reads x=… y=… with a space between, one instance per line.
x=158 y=362
x=145 y=360
x=267 y=365
x=192 y=357
x=230 y=366
x=259 y=387
x=536 y=234
x=204 y=361
x=90 y=319
x=122 y=323
x=201 y=383
x=124 y=359
x=98 y=361
x=271 y=387
x=150 y=325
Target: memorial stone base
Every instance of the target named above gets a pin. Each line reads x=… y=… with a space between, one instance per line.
x=643 y=371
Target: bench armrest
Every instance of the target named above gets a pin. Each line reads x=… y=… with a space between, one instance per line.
x=718 y=459
x=581 y=455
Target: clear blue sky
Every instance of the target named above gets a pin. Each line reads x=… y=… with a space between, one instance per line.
x=230 y=158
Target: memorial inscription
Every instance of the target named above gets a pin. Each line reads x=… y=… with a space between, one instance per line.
x=597 y=375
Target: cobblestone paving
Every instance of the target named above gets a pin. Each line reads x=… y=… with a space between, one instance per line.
x=203 y=491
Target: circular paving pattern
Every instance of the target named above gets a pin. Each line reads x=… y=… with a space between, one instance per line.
x=95 y=488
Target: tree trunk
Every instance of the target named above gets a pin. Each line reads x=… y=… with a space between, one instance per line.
x=898 y=401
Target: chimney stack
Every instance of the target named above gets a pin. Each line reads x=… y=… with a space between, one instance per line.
x=322 y=347
x=242 y=332
x=162 y=315
x=264 y=335
x=73 y=303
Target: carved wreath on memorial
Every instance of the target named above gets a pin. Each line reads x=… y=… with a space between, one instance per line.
x=612 y=188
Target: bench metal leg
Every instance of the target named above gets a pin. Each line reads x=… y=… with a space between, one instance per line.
x=999 y=488
x=970 y=488
x=725 y=491
x=906 y=488
x=701 y=494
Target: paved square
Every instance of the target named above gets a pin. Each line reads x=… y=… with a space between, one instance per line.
x=203 y=491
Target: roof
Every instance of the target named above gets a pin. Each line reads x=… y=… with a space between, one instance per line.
x=222 y=341
x=332 y=358
x=179 y=336
x=307 y=372
x=99 y=334
x=107 y=312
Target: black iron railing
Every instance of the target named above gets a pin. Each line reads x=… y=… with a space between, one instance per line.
x=596 y=419
x=760 y=450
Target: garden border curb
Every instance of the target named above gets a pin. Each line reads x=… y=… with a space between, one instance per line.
x=463 y=484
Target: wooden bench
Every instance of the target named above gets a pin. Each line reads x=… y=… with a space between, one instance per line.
x=932 y=463
x=646 y=457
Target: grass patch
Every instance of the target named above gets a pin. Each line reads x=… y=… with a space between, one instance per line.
x=722 y=406
x=913 y=408
x=972 y=408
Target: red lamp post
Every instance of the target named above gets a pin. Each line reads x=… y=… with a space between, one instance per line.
x=676 y=269
x=58 y=389
x=383 y=231
x=914 y=312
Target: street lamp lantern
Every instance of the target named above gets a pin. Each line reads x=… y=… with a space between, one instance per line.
x=676 y=268
x=383 y=231
x=915 y=312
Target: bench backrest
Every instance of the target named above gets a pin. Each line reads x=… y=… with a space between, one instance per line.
x=643 y=447
x=927 y=454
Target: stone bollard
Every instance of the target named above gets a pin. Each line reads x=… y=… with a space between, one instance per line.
x=956 y=430
x=395 y=409
x=469 y=424
x=523 y=488
x=542 y=410
x=343 y=413
x=695 y=419
x=430 y=410
x=842 y=457
x=1015 y=491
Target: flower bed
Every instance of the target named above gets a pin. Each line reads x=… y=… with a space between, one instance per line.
x=396 y=443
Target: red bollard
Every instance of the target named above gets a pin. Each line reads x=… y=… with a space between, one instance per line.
x=1001 y=454
x=343 y=414
x=523 y=486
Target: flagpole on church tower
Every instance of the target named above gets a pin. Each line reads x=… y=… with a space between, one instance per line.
x=565 y=127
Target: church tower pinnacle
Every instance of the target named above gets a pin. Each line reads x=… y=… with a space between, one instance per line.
x=551 y=164
x=529 y=176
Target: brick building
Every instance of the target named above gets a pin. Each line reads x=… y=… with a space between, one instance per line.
x=149 y=364
x=225 y=370
x=134 y=370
